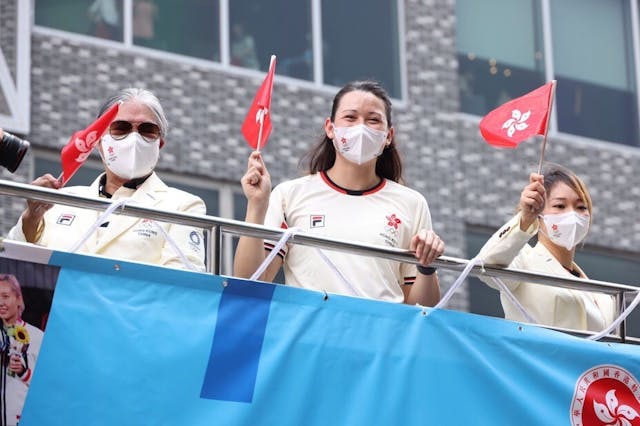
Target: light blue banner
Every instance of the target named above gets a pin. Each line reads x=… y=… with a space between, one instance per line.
x=141 y=345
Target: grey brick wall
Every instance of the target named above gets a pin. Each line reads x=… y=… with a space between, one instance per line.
x=464 y=180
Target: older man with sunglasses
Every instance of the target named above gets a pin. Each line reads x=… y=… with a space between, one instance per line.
x=129 y=151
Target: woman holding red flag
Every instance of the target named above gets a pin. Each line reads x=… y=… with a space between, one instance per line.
x=557 y=208
x=351 y=192
x=130 y=150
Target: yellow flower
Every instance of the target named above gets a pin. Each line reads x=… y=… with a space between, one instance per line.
x=21 y=334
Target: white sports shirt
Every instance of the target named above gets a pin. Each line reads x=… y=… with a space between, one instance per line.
x=388 y=214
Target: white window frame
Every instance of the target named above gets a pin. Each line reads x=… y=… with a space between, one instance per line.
x=549 y=75
x=17 y=93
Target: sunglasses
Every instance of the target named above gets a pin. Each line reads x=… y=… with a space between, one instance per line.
x=120 y=129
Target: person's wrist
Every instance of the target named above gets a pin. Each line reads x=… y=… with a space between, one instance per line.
x=32 y=227
x=426 y=270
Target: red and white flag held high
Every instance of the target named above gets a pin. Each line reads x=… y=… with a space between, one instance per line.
x=256 y=127
x=76 y=151
x=519 y=119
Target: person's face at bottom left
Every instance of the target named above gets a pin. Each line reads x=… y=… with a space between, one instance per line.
x=9 y=303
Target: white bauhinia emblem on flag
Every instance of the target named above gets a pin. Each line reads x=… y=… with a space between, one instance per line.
x=85 y=146
x=518 y=121
x=521 y=125
x=614 y=413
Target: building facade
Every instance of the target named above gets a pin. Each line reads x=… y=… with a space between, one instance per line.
x=446 y=63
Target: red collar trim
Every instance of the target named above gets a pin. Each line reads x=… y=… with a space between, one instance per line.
x=346 y=191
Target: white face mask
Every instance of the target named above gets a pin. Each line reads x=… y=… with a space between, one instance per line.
x=360 y=143
x=131 y=157
x=566 y=229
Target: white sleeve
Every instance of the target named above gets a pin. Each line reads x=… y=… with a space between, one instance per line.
x=276 y=217
x=504 y=246
x=16 y=232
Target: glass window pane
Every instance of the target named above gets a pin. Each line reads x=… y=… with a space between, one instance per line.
x=483 y=299
x=261 y=28
x=500 y=52
x=99 y=18
x=187 y=27
x=361 y=41
x=593 y=62
x=617 y=269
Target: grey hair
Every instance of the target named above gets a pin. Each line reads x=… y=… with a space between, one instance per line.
x=143 y=96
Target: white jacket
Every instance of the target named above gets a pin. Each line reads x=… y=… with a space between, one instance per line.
x=548 y=305
x=126 y=237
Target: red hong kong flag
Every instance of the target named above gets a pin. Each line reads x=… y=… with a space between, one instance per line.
x=76 y=151
x=518 y=119
x=256 y=127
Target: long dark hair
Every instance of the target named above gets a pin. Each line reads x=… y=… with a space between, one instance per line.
x=322 y=155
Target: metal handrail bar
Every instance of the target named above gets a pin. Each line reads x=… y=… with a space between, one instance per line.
x=241 y=228
x=216 y=226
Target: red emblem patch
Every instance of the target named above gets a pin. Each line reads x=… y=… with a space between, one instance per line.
x=606 y=395
x=393 y=221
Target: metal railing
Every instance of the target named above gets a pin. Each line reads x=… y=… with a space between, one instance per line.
x=214 y=227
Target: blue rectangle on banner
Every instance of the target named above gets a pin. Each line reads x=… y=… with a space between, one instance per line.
x=237 y=341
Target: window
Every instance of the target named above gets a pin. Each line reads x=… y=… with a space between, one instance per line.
x=501 y=56
x=259 y=29
x=593 y=61
x=361 y=41
x=256 y=30
x=500 y=52
x=621 y=269
x=187 y=27
x=98 y=18
x=595 y=263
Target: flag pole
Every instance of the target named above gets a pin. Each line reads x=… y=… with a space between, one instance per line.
x=264 y=111
x=546 y=129
x=261 y=113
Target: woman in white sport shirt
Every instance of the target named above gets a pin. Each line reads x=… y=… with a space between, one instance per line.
x=352 y=192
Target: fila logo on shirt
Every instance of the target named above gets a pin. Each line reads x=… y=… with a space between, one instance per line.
x=316 y=221
x=66 y=219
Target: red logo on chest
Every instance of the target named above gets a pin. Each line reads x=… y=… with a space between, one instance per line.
x=393 y=221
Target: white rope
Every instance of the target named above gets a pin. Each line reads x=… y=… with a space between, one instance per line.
x=352 y=290
x=101 y=219
x=175 y=247
x=623 y=315
x=288 y=233
x=128 y=201
x=459 y=281
x=504 y=289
